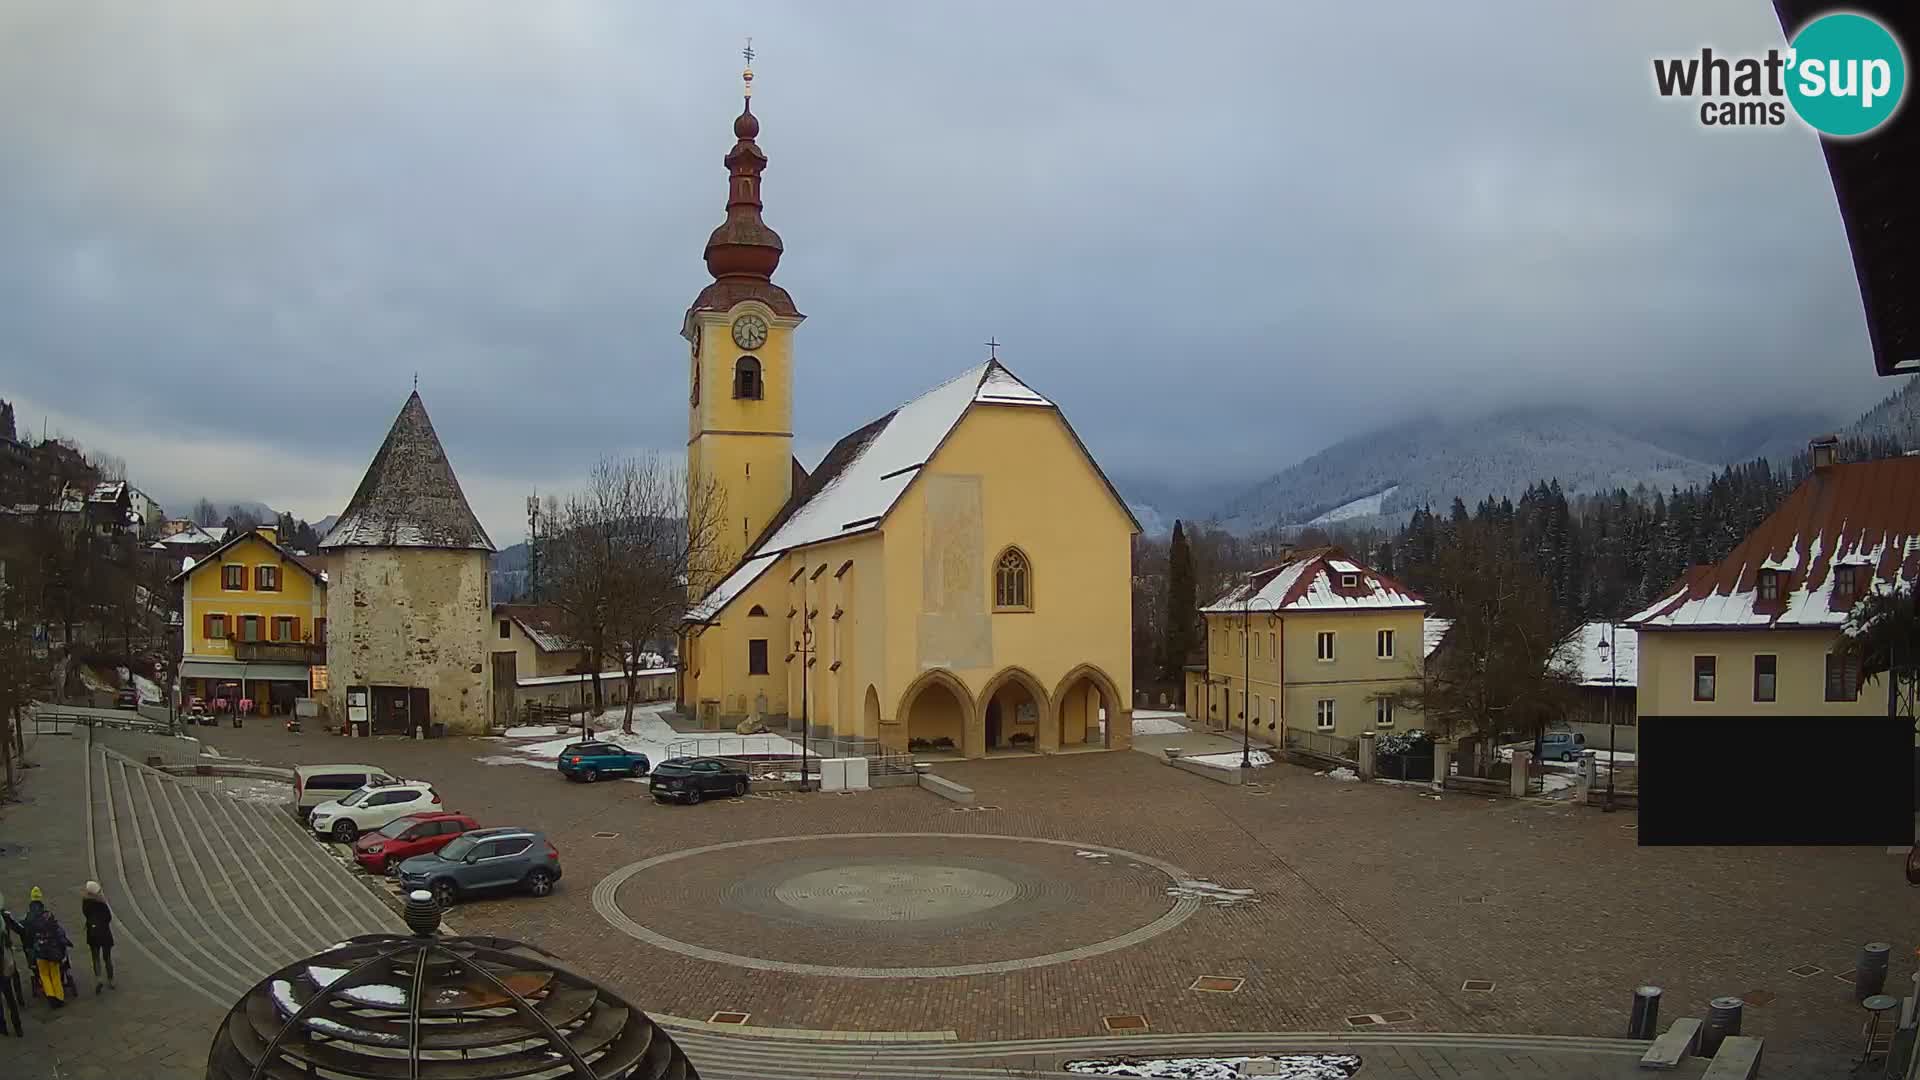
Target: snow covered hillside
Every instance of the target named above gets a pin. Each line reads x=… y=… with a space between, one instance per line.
x=1382 y=476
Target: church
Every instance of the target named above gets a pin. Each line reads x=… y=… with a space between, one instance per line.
x=953 y=577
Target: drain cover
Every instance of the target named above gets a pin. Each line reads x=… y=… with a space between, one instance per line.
x=726 y=1016
x=1477 y=985
x=1125 y=1022
x=1217 y=984
x=1806 y=971
x=605 y=835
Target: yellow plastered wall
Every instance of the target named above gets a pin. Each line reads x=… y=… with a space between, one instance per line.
x=745 y=444
x=1007 y=476
x=1666 y=674
x=1352 y=680
x=299 y=596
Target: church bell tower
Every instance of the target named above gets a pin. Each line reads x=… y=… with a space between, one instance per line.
x=740 y=332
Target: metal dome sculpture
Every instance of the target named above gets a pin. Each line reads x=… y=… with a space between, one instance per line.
x=390 y=1007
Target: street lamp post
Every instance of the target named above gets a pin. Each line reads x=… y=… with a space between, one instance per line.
x=1246 y=678
x=803 y=650
x=1611 y=643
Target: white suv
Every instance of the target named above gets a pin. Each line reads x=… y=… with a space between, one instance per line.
x=371 y=807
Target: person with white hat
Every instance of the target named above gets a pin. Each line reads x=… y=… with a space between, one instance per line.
x=99 y=917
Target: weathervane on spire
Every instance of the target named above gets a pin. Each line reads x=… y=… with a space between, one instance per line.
x=746 y=76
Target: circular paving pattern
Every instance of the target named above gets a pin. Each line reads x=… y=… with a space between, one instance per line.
x=894 y=905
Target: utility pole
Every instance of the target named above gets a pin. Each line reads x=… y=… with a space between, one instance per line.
x=533 y=544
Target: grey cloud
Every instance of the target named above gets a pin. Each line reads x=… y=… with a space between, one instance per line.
x=1222 y=236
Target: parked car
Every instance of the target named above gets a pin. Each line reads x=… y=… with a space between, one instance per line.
x=315 y=784
x=1562 y=745
x=484 y=860
x=692 y=779
x=126 y=699
x=369 y=808
x=385 y=848
x=589 y=761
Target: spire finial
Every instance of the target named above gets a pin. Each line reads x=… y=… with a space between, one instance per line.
x=993 y=347
x=746 y=76
x=416 y=380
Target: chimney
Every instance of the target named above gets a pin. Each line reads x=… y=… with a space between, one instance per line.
x=1286 y=550
x=1822 y=448
x=270 y=532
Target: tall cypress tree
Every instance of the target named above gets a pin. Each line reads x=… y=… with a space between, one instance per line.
x=1182 y=607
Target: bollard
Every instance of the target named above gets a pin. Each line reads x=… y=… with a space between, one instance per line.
x=1870 y=970
x=1723 y=1019
x=1644 y=1023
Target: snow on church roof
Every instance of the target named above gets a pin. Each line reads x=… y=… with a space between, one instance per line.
x=859 y=480
x=409 y=496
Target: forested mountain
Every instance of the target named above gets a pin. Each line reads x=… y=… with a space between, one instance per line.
x=1897 y=417
x=1430 y=462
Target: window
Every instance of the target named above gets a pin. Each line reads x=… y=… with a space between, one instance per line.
x=215 y=628
x=249 y=628
x=1383 y=712
x=266 y=578
x=319 y=634
x=1323 y=647
x=1273 y=711
x=1843 y=679
x=1256 y=708
x=1323 y=714
x=233 y=578
x=1273 y=646
x=1012 y=587
x=757 y=656
x=506 y=629
x=1349 y=581
x=1256 y=646
x=285 y=628
x=1383 y=644
x=1765 y=677
x=746 y=379
x=1769 y=586
x=1243 y=643
x=512 y=845
x=756 y=612
x=1703 y=678
x=1846 y=584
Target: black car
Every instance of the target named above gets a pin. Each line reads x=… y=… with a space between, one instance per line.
x=692 y=779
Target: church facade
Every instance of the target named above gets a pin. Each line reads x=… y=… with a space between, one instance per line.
x=954 y=576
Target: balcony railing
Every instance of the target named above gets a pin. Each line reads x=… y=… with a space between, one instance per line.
x=280 y=652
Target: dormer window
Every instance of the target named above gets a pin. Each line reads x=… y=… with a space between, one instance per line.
x=1846 y=584
x=1769 y=586
x=746 y=379
x=1349 y=581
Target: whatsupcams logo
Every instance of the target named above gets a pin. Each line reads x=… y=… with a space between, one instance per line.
x=1843 y=74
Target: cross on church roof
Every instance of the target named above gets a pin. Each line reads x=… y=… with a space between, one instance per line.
x=993 y=349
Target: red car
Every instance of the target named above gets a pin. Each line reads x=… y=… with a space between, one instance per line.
x=403 y=838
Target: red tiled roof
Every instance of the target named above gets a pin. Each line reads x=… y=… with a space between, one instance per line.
x=1307 y=581
x=1863 y=513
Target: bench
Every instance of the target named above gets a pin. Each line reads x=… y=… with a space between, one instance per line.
x=1737 y=1059
x=947 y=789
x=1679 y=1040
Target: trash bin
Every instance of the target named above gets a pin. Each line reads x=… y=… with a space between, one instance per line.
x=1870 y=970
x=1645 y=1020
x=1723 y=1019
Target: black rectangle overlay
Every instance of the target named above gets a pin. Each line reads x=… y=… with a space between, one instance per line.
x=1725 y=780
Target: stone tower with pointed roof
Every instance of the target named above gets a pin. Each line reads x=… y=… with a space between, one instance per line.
x=408 y=601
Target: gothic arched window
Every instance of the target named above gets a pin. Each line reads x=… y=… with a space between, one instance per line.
x=1013 y=581
x=746 y=378
x=757 y=612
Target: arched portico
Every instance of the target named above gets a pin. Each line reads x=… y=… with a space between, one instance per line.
x=870 y=714
x=1014 y=704
x=1079 y=700
x=938 y=706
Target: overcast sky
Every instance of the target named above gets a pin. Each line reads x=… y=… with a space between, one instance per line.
x=1221 y=236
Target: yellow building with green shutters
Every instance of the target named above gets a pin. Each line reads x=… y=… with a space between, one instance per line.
x=953 y=577
x=253 y=623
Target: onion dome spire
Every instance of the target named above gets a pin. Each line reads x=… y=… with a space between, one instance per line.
x=743 y=246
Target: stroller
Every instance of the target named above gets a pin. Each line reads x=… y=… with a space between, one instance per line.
x=32 y=972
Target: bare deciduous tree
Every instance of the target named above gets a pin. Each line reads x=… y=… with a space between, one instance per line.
x=619 y=556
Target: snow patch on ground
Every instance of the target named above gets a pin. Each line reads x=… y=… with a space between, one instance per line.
x=1282 y=1066
x=534 y=731
x=1230 y=760
x=652 y=736
x=1211 y=892
x=254 y=790
x=1091 y=854
x=1159 y=723
x=1342 y=773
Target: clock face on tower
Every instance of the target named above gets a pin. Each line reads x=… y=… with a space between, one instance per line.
x=749 y=331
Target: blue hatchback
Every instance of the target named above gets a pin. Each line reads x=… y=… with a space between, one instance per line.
x=589 y=761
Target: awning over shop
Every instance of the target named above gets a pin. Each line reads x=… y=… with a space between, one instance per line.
x=233 y=671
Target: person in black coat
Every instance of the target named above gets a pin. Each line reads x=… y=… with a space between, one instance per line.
x=99 y=917
x=10 y=929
